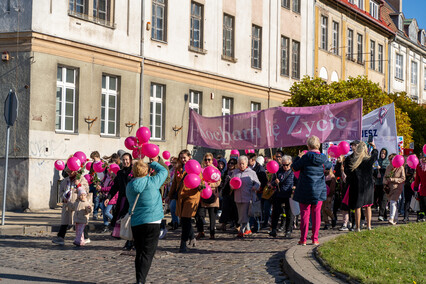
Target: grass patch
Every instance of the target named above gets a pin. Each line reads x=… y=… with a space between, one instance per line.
x=388 y=254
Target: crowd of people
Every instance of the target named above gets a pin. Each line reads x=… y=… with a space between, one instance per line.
x=305 y=192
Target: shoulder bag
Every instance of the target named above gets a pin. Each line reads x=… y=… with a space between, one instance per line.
x=126 y=224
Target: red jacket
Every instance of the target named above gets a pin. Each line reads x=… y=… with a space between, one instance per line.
x=420 y=180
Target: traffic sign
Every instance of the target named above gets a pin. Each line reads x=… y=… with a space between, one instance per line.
x=11 y=108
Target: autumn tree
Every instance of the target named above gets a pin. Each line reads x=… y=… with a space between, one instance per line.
x=314 y=91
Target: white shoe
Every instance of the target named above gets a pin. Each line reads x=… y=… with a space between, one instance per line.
x=391 y=222
x=163 y=233
x=87 y=241
x=58 y=241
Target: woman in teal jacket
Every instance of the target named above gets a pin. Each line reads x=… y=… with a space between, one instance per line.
x=147 y=215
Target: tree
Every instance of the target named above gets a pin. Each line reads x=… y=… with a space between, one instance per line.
x=314 y=91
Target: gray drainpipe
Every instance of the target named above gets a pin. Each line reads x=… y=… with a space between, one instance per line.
x=313 y=29
x=141 y=96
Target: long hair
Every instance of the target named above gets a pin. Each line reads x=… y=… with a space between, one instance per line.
x=361 y=154
x=179 y=165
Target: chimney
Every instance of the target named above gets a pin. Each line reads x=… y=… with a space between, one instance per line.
x=397 y=4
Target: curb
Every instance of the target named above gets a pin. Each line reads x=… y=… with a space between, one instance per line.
x=18 y=230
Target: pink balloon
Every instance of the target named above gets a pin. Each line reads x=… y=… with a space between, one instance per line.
x=192 y=180
x=137 y=154
x=98 y=166
x=305 y=151
x=272 y=167
x=333 y=151
x=81 y=156
x=296 y=174
x=397 y=161
x=88 y=166
x=206 y=192
x=412 y=161
x=150 y=150
x=343 y=148
x=88 y=178
x=246 y=151
x=167 y=163
x=143 y=134
x=235 y=153
x=59 y=165
x=73 y=164
x=211 y=174
x=424 y=149
x=114 y=168
x=193 y=167
x=131 y=142
x=235 y=183
x=166 y=155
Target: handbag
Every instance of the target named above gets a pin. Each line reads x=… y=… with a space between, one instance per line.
x=126 y=224
x=268 y=192
x=295 y=207
x=414 y=204
x=255 y=208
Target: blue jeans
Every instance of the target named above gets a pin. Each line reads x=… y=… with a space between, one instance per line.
x=175 y=219
x=106 y=213
x=267 y=204
x=96 y=206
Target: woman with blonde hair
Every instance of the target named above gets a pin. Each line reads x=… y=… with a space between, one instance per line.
x=211 y=205
x=359 y=172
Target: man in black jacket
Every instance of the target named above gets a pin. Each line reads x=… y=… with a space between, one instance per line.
x=261 y=175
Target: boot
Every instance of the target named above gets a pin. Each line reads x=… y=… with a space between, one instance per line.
x=183 y=247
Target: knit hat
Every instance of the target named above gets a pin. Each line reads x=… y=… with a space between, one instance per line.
x=121 y=153
x=260 y=160
x=81 y=191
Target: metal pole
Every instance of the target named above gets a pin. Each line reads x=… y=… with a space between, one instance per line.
x=5 y=175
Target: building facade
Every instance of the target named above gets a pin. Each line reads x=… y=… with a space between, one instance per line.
x=88 y=73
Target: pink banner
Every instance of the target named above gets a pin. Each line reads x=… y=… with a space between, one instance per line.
x=277 y=127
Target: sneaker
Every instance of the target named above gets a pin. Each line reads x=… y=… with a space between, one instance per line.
x=58 y=241
x=287 y=235
x=381 y=218
x=87 y=241
x=76 y=244
x=343 y=228
x=392 y=222
x=301 y=243
x=315 y=243
x=240 y=235
x=247 y=232
x=363 y=224
x=163 y=233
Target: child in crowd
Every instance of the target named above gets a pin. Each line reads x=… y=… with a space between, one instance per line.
x=82 y=210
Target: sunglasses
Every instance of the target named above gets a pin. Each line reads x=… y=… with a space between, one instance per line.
x=206 y=160
x=286 y=165
x=279 y=156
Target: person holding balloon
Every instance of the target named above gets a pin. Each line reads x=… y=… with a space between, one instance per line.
x=394 y=179
x=410 y=170
x=420 y=186
x=311 y=190
x=106 y=185
x=212 y=179
x=229 y=209
x=96 y=186
x=245 y=193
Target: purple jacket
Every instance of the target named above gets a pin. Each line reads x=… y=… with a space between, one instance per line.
x=249 y=180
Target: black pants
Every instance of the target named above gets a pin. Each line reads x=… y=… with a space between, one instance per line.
x=408 y=194
x=145 y=240
x=187 y=231
x=63 y=230
x=229 y=210
x=382 y=200
x=277 y=211
x=201 y=214
x=422 y=203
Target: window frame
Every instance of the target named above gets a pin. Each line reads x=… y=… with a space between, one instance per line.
x=65 y=86
x=154 y=29
x=399 y=67
x=350 y=54
x=360 y=48
x=226 y=122
x=324 y=33
x=335 y=38
x=195 y=106
x=253 y=104
x=153 y=113
x=374 y=9
x=284 y=5
x=424 y=78
x=295 y=60
x=414 y=75
x=91 y=11
x=285 y=60
x=256 y=39
x=372 y=55
x=107 y=92
x=192 y=30
x=296 y=6
x=380 y=58
x=231 y=30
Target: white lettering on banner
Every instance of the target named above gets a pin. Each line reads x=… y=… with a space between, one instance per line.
x=293 y=124
x=339 y=122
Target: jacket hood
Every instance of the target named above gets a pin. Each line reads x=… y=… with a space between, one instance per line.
x=383 y=162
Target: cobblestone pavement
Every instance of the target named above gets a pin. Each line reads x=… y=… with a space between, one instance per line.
x=255 y=259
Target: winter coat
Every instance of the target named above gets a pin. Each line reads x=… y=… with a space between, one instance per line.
x=261 y=175
x=120 y=182
x=360 y=181
x=311 y=183
x=149 y=207
x=81 y=211
x=250 y=184
x=284 y=188
x=215 y=190
x=394 y=178
x=67 y=215
x=420 y=180
x=383 y=163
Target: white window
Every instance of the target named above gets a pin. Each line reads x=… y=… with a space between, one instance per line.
x=352 y=1
x=324 y=32
x=65 y=99
x=226 y=111
x=78 y=6
x=156 y=111
x=296 y=6
x=254 y=106
x=372 y=54
x=398 y=66
x=196 y=39
x=295 y=58
x=109 y=105
x=285 y=4
x=374 y=9
x=380 y=58
x=228 y=36
x=285 y=55
x=414 y=73
x=159 y=16
x=350 y=44
x=360 y=49
x=195 y=101
x=256 y=47
x=335 y=47
x=101 y=9
x=361 y=4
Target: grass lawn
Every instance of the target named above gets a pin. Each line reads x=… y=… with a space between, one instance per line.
x=388 y=254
